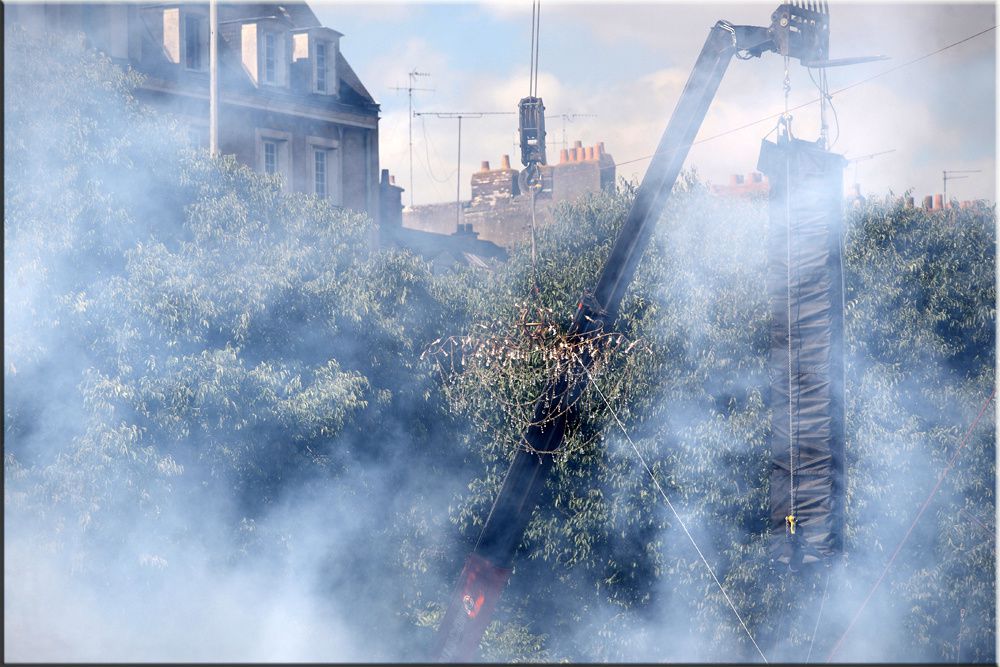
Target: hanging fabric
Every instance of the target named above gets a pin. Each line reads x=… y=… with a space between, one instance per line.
x=805 y=291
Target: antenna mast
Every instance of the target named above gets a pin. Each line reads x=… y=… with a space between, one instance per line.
x=947 y=175
x=460 y=115
x=409 y=93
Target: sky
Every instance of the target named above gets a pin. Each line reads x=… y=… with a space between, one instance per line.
x=621 y=68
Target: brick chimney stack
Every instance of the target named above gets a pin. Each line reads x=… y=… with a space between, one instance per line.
x=505 y=162
x=484 y=166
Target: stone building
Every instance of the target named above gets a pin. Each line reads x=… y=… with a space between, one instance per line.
x=289 y=101
x=500 y=213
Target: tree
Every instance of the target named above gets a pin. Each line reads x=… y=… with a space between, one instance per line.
x=605 y=572
x=188 y=347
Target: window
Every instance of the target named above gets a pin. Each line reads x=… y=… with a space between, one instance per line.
x=270 y=157
x=324 y=168
x=192 y=42
x=270 y=56
x=320 y=67
x=274 y=154
x=319 y=173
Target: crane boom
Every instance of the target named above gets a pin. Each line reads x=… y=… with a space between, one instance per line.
x=795 y=31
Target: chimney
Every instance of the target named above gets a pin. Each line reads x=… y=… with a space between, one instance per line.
x=505 y=162
x=735 y=179
x=908 y=202
x=484 y=166
x=590 y=153
x=563 y=156
x=392 y=180
x=938 y=202
x=600 y=148
x=928 y=201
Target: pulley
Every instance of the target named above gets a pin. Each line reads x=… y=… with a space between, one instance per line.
x=531 y=128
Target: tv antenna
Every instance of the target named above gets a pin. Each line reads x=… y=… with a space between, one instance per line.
x=948 y=175
x=862 y=158
x=409 y=93
x=570 y=117
x=459 y=115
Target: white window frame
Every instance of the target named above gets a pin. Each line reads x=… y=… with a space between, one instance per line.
x=270 y=56
x=279 y=53
x=283 y=146
x=325 y=88
x=321 y=181
x=270 y=148
x=334 y=168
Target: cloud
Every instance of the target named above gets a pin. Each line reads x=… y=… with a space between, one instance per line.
x=635 y=87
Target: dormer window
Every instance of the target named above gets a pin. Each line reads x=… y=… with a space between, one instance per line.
x=266 y=52
x=270 y=57
x=314 y=60
x=195 y=39
x=321 y=67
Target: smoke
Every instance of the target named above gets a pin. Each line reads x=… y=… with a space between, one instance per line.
x=220 y=442
x=217 y=429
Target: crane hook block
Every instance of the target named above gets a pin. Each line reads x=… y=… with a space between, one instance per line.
x=531 y=127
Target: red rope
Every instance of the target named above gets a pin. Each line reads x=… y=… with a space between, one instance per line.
x=927 y=502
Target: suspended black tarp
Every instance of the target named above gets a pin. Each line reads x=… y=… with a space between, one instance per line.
x=805 y=290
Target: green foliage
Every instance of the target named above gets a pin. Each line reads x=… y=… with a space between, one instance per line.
x=181 y=332
x=233 y=346
x=920 y=313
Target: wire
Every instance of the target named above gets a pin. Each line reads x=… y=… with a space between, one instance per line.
x=536 y=17
x=672 y=510
x=805 y=104
x=531 y=65
x=791 y=387
x=534 y=261
x=909 y=530
x=819 y=615
x=427 y=155
x=836 y=120
x=538 y=39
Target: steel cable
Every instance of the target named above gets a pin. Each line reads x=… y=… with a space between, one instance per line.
x=674 y=511
x=814 y=101
x=923 y=508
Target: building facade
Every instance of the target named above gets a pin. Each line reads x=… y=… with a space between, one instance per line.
x=500 y=213
x=289 y=102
